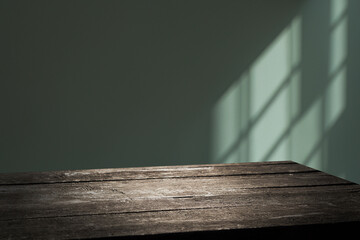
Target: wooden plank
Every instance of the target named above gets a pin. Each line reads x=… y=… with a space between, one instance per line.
x=189 y=220
x=184 y=200
x=152 y=172
x=252 y=197
x=45 y=200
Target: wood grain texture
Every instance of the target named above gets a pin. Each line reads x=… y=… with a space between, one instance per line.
x=198 y=201
x=142 y=173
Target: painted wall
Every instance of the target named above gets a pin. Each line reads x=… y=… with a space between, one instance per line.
x=97 y=84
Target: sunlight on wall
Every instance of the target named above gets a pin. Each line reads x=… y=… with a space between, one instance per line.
x=335 y=94
x=306 y=135
x=310 y=134
x=260 y=118
x=230 y=121
x=268 y=72
x=335 y=98
x=264 y=96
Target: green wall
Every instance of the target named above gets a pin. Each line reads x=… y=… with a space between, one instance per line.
x=102 y=84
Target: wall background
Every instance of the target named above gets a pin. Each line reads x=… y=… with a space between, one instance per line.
x=102 y=84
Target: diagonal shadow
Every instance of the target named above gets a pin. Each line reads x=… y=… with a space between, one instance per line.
x=297 y=119
x=256 y=119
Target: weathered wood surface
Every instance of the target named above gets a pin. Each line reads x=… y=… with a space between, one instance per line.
x=176 y=201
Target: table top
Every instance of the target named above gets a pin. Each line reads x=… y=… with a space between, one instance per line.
x=170 y=201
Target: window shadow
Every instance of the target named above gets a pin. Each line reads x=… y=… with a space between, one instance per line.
x=297 y=100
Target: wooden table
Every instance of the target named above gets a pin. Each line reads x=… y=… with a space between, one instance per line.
x=254 y=200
